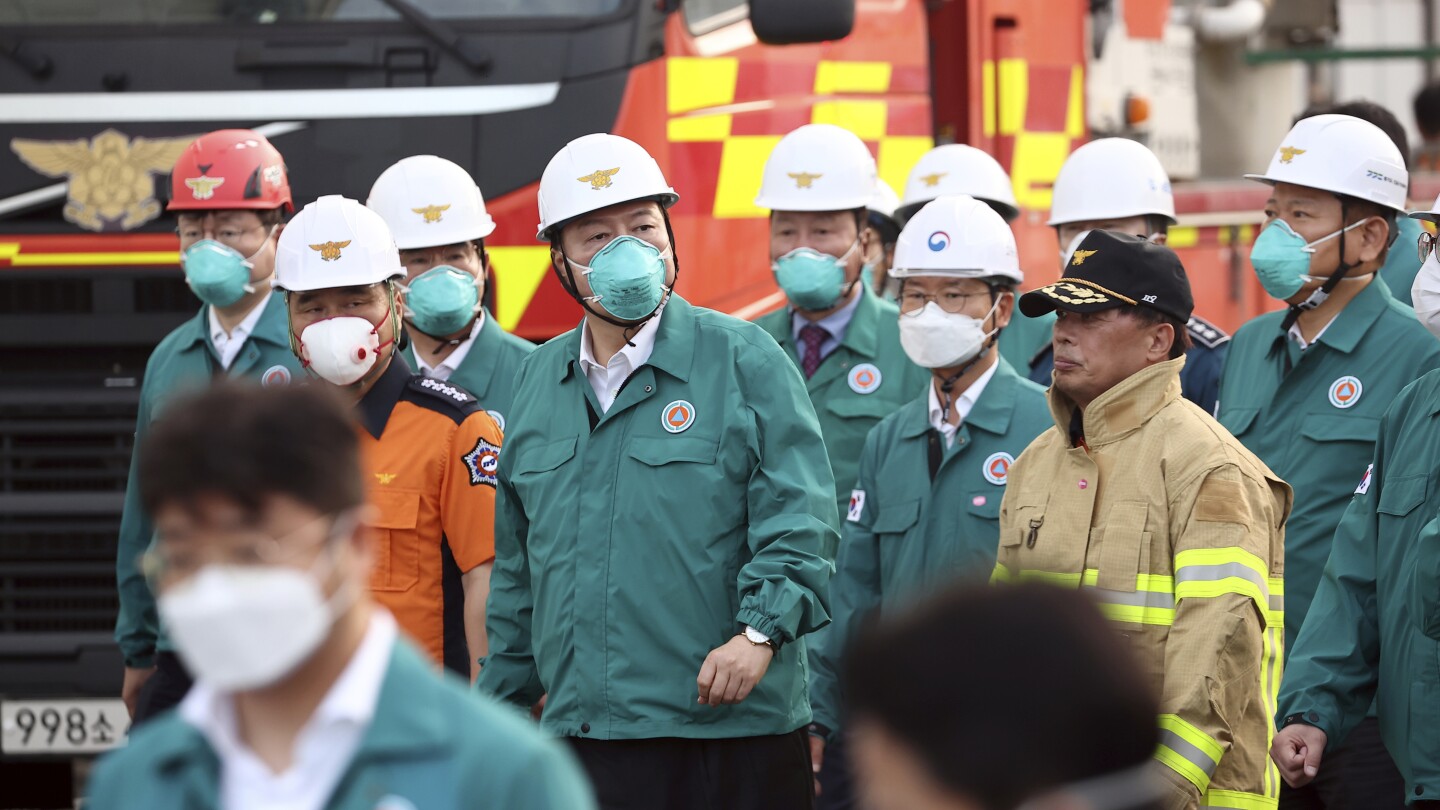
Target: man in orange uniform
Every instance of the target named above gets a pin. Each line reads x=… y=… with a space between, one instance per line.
x=430 y=451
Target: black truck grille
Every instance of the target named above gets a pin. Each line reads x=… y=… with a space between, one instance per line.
x=64 y=457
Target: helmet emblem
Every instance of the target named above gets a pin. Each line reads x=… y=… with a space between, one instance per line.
x=1288 y=153
x=1082 y=255
x=330 y=251
x=203 y=187
x=274 y=175
x=600 y=178
x=804 y=179
x=431 y=212
x=933 y=180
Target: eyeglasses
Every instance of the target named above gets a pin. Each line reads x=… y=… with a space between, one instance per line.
x=165 y=564
x=1425 y=245
x=913 y=301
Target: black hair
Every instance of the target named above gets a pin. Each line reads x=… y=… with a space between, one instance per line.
x=1427 y=109
x=244 y=443
x=1154 y=317
x=1005 y=693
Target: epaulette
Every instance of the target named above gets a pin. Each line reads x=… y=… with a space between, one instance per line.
x=440 y=396
x=1204 y=333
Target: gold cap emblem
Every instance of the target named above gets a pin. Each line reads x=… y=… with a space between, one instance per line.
x=933 y=180
x=1288 y=153
x=1074 y=294
x=431 y=212
x=1082 y=255
x=804 y=179
x=384 y=478
x=109 y=177
x=330 y=251
x=203 y=187
x=600 y=178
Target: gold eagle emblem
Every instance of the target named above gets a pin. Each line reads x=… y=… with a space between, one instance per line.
x=600 y=178
x=804 y=179
x=110 y=179
x=1081 y=256
x=431 y=213
x=932 y=180
x=1288 y=153
x=384 y=478
x=330 y=251
x=203 y=187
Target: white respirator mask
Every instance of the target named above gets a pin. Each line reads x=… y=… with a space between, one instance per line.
x=1425 y=294
x=342 y=350
x=934 y=338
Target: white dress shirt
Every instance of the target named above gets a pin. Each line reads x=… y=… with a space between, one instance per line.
x=1299 y=339
x=607 y=379
x=453 y=361
x=228 y=345
x=963 y=404
x=324 y=747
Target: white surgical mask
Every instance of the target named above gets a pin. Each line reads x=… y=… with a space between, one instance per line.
x=1425 y=294
x=342 y=350
x=934 y=338
x=244 y=627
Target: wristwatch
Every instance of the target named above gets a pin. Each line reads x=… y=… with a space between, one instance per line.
x=759 y=639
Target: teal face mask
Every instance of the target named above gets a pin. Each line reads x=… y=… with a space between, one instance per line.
x=811 y=280
x=1281 y=258
x=217 y=273
x=442 y=300
x=627 y=278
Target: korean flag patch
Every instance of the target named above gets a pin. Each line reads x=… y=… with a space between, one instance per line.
x=482 y=463
x=857 y=505
x=1365 y=482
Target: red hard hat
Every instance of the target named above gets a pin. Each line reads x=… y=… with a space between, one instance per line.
x=229 y=168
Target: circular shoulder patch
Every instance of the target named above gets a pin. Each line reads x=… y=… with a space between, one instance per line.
x=865 y=378
x=678 y=416
x=1345 y=392
x=275 y=375
x=498 y=417
x=997 y=468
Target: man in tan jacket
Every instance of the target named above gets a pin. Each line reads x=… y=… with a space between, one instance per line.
x=1141 y=499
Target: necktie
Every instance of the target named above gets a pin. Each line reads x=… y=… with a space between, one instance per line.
x=811 y=336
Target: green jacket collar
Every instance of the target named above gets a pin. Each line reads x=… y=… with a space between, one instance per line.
x=675 y=337
x=862 y=336
x=481 y=359
x=273 y=326
x=991 y=412
x=1345 y=332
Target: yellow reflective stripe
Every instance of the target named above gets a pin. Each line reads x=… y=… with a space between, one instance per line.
x=1152 y=601
x=1179 y=764
x=1190 y=733
x=1276 y=614
x=1235 y=800
x=1001 y=574
x=1221 y=556
x=1188 y=751
x=1163 y=617
x=1211 y=572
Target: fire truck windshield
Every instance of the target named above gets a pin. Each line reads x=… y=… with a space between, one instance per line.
x=191 y=12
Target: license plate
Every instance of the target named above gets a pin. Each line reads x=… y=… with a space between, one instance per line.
x=62 y=726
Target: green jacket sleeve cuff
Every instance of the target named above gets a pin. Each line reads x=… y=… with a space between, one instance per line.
x=140 y=660
x=764 y=624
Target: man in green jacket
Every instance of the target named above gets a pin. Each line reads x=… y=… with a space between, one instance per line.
x=230 y=193
x=305 y=693
x=665 y=530
x=925 y=510
x=1372 y=636
x=1304 y=388
x=439 y=221
x=817 y=184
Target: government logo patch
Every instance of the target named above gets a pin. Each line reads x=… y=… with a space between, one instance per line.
x=1345 y=392
x=498 y=417
x=865 y=378
x=997 y=468
x=482 y=462
x=275 y=375
x=678 y=416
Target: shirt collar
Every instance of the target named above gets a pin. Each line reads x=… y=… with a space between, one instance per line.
x=462 y=349
x=352 y=697
x=242 y=330
x=636 y=352
x=375 y=407
x=963 y=404
x=1351 y=323
x=672 y=344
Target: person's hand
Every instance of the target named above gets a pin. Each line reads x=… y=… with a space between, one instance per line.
x=731 y=670
x=1297 y=750
x=817 y=758
x=130 y=689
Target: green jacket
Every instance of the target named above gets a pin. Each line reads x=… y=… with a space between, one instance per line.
x=184 y=361
x=488 y=371
x=905 y=534
x=431 y=744
x=846 y=414
x=626 y=551
x=1365 y=639
x=1402 y=263
x=1303 y=426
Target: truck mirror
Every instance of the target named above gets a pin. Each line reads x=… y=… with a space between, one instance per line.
x=788 y=22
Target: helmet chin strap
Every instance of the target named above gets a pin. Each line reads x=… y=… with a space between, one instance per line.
x=1321 y=295
x=567 y=280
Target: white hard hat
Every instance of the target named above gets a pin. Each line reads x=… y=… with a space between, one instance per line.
x=818 y=167
x=429 y=201
x=597 y=171
x=1432 y=215
x=885 y=200
x=1112 y=178
x=1343 y=155
x=956 y=168
x=335 y=242
x=960 y=236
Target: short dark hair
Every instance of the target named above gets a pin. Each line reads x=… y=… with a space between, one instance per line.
x=1154 y=317
x=244 y=443
x=1001 y=691
x=1367 y=111
x=1427 y=109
